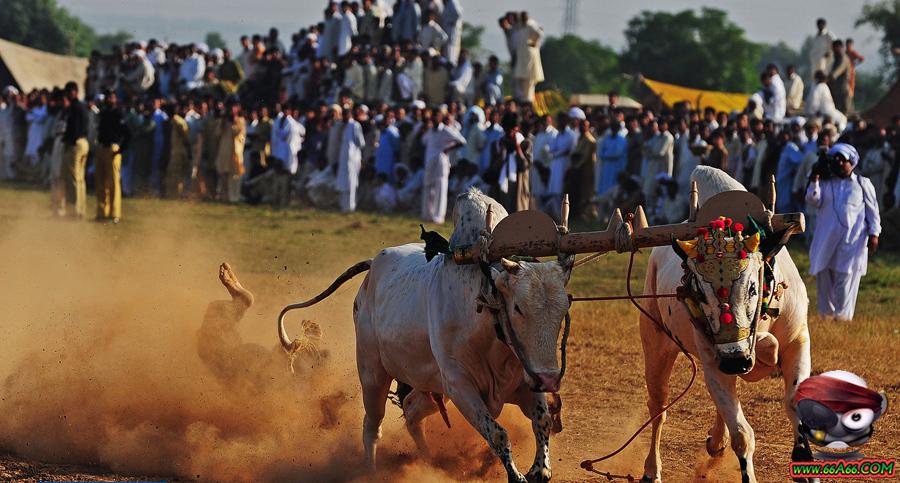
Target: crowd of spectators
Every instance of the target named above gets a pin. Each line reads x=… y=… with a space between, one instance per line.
x=382 y=109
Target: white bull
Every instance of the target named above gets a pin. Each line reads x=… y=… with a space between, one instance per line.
x=418 y=322
x=783 y=341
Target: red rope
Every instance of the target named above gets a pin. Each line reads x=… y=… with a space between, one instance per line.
x=622 y=297
x=588 y=464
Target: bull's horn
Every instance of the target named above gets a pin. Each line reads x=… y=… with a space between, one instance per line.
x=488 y=218
x=615 y=220
x=695 y=201
x=770 y=196
x=510 y=266
x=564 y=213
x=640 y=219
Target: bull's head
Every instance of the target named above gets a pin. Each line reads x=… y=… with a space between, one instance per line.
x=534 y=294
x=725 y=287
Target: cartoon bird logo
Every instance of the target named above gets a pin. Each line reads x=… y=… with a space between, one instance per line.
x=837 y=410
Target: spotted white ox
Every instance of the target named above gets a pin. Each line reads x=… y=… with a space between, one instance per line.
x=419 y=322
x=726 y=344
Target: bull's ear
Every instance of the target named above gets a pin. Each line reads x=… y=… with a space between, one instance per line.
x=567 y=262
x=685 y=248
x=678 y=251
x=751 y=243
x=773 y=243
x=501 y=280
x=510 y=266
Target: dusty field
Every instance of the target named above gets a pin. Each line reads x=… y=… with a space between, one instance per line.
x=100 y=377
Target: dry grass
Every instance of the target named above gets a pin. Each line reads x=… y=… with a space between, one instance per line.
x=293 y=254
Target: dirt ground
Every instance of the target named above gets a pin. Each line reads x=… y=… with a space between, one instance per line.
x=63 y=424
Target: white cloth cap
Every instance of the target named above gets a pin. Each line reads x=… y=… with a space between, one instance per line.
x=845 y=150
x=577 y=113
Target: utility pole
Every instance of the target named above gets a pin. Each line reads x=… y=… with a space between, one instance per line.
x=570 y=17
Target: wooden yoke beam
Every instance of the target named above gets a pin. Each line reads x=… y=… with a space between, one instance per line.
x=533 y=233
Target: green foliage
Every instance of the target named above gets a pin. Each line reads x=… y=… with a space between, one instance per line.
x=870 y=88
x=782 y=55
x=215 y=41
x=706 y=51
x=577 y=65
x=44 y=25
x=471 y=36
x=885 y=17
x=105 y=42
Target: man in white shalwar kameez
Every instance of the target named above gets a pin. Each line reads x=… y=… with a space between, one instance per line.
x=820 y=103
x=776 y=108
x=541 y=154
x=190 y=74
x=347 y=32
x=659 y=157
x=820 y=57
x=847 y=222
x=451 y=21
x=328 y=41
x=350 y=162
x=794 y=89
x=528 y=71
x=561 y=149
x=439 y=140
x=286 y=140
x=432 y=36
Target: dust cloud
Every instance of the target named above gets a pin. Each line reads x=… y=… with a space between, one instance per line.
x=100 y=366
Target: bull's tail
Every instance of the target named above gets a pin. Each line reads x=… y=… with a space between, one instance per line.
x=292 y=346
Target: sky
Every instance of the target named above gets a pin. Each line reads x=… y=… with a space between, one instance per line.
x=604 y=20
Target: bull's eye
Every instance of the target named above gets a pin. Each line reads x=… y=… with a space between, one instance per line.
x=518 y=310
x=752 y=290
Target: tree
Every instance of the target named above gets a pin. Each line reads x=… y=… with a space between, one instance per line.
x=44 y=25
x=885 y=16
x=215 y=41
x=105 y=42
x=471 y=36
x=707 y=51
x=782 y=55
x=870 y=88
x=577 y=65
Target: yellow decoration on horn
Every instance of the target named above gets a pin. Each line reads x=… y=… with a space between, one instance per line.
x=751 y=243
x=689 y=247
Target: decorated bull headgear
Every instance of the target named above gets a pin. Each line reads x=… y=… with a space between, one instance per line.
x=720 y=255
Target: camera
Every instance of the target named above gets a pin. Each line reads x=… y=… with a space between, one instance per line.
x=827 y=166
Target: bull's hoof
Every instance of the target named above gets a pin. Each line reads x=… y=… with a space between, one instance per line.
x=516 y=478
x=556 y=426
x=713 y=452
x=650 y=479
x=538 y=475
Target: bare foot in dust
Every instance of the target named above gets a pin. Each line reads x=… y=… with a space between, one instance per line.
x=230 y=281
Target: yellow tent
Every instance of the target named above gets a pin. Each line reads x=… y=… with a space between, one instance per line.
x=699 y=99
x=29 y=68
x=549 y=102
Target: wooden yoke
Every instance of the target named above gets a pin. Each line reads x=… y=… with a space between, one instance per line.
x=534 y=233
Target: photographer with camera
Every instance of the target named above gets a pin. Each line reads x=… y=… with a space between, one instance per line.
x=847 y=220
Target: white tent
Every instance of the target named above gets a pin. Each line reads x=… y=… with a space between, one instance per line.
x=28 y=68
